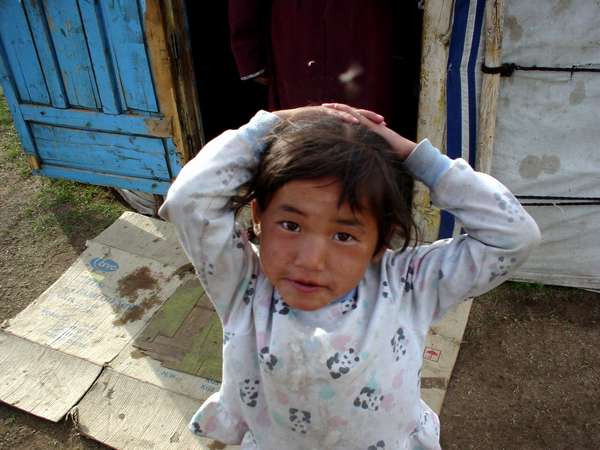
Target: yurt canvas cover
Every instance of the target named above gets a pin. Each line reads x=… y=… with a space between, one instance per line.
x=521 y=102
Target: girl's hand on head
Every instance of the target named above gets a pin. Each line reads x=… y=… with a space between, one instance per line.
x=344 y=115
x=376 y=123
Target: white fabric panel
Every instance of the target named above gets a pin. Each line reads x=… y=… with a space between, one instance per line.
x=548 y=133
x=548 y=130
x=569 y=254
x=551 y=32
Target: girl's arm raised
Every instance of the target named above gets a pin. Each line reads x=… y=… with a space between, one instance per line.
x=198 y=204
x=498 y=234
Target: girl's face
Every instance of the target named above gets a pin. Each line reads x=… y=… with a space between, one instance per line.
x=311 y=250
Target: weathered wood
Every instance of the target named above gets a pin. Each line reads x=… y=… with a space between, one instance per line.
x=127 y=155
x=185 y=83
x=21 y=57
x=34 y=162
x=173 y=158
x=73 y=58
x=80 y=118
x=162 y=64
x=490 y=85
x=431 y=124
x=103 y=179
x=99 y=53
x=93 y=58
x=46 y=52
x=128 y=49
x=11 y=94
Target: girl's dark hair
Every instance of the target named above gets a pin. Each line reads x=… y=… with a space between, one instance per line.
x=314 y=145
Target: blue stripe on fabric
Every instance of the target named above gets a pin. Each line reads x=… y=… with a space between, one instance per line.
x=446 y=225
x=454 y=110
x=455 y=118
x=453 y=98
x=472 y=100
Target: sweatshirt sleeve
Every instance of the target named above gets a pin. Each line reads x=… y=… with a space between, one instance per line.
x=198 y=204
x=498 y=235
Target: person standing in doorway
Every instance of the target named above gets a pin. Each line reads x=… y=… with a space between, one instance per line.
x=315 y=51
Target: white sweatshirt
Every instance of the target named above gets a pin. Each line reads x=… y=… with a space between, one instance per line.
x=346 y=376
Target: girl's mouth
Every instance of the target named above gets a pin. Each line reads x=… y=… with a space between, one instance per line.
x=304 y=286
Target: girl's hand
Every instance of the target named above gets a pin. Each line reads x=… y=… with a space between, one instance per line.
x=342 y=113
x=285 y=114
x=376 y=123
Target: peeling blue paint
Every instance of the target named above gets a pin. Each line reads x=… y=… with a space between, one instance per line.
x=76 y=74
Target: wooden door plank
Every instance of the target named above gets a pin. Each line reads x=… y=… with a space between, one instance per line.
x=67 y=34
x=437 y=26
x=46 y=52
x=99 y=53
x=126 y=37
x=173 y=158
x=163 y=67
x=15 y=38
x=11 y=93
x=128 y=155
x=175 y=23
x=93 y=120
x=104 y=179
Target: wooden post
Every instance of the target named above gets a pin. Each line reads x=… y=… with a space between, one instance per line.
x=173 y=74
x=431 y=124
x=185 y=80
x=490 y=84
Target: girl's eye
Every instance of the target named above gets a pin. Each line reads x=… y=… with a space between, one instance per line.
x=289 y=226
x=343 y=237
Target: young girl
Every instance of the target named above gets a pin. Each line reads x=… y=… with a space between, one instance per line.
x=324 y=329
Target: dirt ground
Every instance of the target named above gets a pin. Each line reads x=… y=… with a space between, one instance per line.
x=527 y=377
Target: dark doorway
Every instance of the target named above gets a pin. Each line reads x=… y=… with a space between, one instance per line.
x=227 y=102
x=407 y=35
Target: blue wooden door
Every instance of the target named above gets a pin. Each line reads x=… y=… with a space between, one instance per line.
x=91 y=90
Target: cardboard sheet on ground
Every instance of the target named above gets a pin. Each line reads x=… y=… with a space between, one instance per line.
x=186 y=334
x=42 y=381
x=128 y=330
x=87 y=316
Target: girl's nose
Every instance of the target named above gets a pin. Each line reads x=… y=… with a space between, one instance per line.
x=312 y=254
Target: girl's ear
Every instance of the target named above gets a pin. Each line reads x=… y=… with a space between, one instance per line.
x=256 y=213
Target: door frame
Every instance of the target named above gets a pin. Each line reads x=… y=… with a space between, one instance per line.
x=165 y=24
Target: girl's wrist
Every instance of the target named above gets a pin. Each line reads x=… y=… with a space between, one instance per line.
x=404 y=147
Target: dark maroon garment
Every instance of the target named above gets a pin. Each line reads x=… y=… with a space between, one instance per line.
x=317 y=51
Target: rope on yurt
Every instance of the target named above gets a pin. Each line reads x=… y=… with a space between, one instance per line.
x=507 y=69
